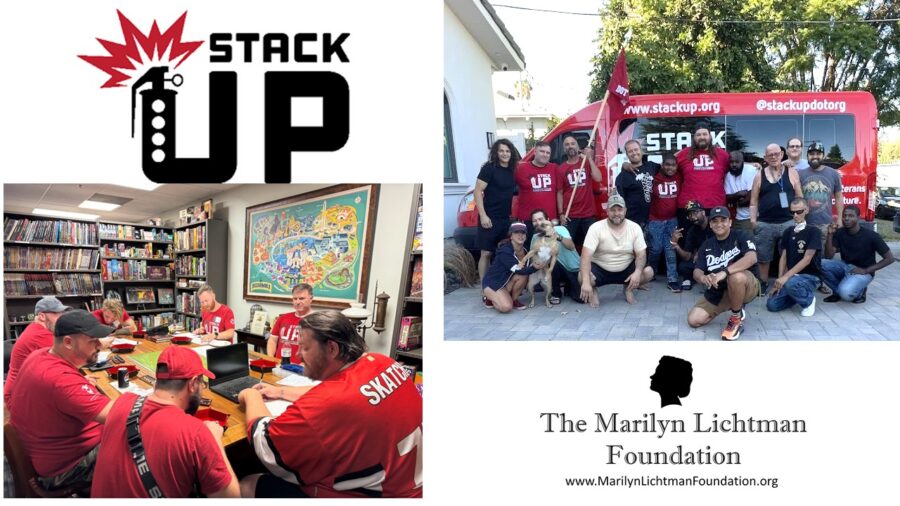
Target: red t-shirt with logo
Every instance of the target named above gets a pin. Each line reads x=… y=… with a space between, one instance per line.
x=287 y=331
x=34 y=337
x=180 y=451
x=703 y=176
x=356 y=434
x=664 y=196
x=537 y=189
x=219 y=320
x=567 y=176
x=98 y=314
x=54 y=415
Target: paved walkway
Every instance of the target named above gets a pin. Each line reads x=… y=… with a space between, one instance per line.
x=662 y=315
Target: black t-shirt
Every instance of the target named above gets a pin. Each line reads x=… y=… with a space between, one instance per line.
x=795 y=245
x=696 y=236
x=715 y=255
x=498 y=195
x=859 y=249
x=636 y=190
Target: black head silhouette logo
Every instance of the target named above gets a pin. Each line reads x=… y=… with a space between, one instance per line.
x=672 y=380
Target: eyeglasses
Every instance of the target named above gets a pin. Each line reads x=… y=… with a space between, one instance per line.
x=798 y=211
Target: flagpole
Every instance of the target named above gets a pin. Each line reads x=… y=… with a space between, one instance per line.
x=584 y=158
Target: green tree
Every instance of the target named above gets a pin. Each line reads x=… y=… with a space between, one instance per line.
x=888 y=150
x=681 y=46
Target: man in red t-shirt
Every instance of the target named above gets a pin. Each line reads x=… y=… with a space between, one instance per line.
x=570 y=176
x=356 y=434
x=217 y=320
x=537 y=186
x=181 y=451
x=113 y=314
x=663 y=219
x=37 y=335
x=702 y=167
x=285 y=338
x=57 y=412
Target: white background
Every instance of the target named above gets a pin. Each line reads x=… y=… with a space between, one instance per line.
x=484 y=439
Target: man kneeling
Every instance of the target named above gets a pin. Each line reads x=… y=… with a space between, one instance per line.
x=726 y=266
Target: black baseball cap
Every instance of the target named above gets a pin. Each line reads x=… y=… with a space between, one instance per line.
x=79 y=321
x=816 y=146
x=719 y=211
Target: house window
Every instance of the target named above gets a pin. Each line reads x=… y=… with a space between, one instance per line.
x=449 y=158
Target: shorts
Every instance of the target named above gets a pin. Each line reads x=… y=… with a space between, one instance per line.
x=766 y=237
x=605 y=277
x=713 y=310
x=486 y=239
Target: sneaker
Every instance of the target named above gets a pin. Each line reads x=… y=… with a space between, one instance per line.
x=734 y=327
x=810 y=309
x=833 y=298
x=519 y=305
x=823 y=289
x=687 y=285
x=675 y=287
x=487 y=302
x=862 y=297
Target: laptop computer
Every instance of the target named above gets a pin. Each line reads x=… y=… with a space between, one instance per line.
x=231 y=366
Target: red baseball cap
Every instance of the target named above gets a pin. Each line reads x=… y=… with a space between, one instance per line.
x=177 y=362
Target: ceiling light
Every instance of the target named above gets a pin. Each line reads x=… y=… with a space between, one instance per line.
x=100 y=206
x=65 y=214
x=140 y=185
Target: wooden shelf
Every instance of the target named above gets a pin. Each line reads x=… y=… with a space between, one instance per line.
x=416 y=252
x=139 y=258
x=148 y=311
x=105 y=281
x=414 y=353
x=52 y=244
x=413 y=299
x=14 y=324
x=141 y=241
x=188 y=251
x=58 y=296
x=187 y=288
x=188 y=277
x=189 y=314
x=92 y=271
x=196 y=223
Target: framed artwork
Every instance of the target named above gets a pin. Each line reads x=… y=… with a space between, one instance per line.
x=322 y=238
x=166 y=295
x=140 y=295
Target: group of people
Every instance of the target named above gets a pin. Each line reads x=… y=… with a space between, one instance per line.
x=357 y=433
x=714 y=219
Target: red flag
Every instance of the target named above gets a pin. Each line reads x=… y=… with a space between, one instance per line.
x=618 y=88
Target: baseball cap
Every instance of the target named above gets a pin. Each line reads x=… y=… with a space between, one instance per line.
x=692 y=206
x=816 y=146
x=615 y=200
x=518 y=227
x=79 y=321
x=50 y=304
x=719 y=211
x=176 y=362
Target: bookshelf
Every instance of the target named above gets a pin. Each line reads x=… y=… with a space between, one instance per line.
x=410 y=307
x=137 y=267
x=47 y=256
x=201 y=256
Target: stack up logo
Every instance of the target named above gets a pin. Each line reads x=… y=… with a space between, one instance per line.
x=145 y=63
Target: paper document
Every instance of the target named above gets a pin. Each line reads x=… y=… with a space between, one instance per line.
x=120 y=340
x=133 y=388
x=296 y=380
x=277 y=407
x=201 y=350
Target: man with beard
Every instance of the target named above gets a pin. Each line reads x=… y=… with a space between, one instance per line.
x=537 y=186
x=821 y=184
x=181 y=451
x=37 y=335
x=703 y=167
x=614 y=252
x=571 y=177
x=567 y=260
x=696 y=234
x=358 y=433
x=726 y=266
x=635 y=184
x=773 y=188
x=738 y=184
x=57 y=412
x=850 y=276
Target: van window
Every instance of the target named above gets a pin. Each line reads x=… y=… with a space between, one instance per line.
x=751 y=134
x=661 y=136
x=837 y=132
x=557 y=155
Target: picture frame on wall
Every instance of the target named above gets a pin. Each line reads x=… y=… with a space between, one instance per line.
x=322 y=238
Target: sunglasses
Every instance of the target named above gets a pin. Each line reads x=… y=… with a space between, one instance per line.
x=799 y=211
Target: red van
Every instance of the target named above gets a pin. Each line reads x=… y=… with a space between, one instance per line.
x=846 y=123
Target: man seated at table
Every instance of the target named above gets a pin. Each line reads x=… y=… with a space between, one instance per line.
x=37 y=335
x=113 y=313
x=285 y=337
x=217 y=320
x=181 y=452
x=58 y=412
x=356 y=434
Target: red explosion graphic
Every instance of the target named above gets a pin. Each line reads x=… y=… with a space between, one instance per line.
x=154 y=45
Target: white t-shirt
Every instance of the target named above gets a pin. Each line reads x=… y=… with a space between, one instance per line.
x=612 y=252
x=743 y=182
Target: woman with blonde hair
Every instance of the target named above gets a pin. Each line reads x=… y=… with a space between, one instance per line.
x=113 y=313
